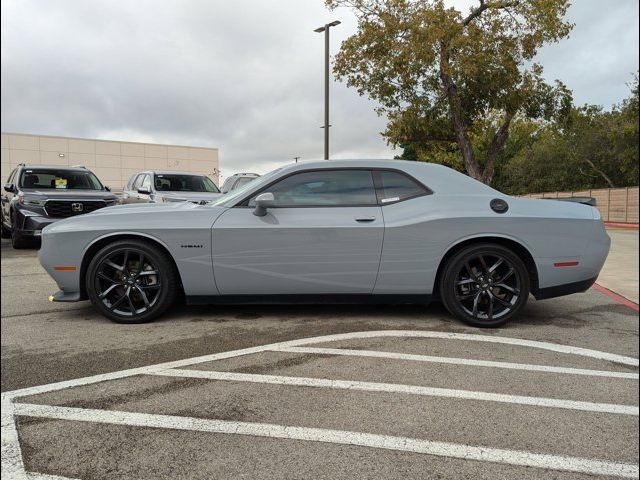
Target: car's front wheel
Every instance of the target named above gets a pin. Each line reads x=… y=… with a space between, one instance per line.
x=485 y=285
x=131 y=281
x=18 y=240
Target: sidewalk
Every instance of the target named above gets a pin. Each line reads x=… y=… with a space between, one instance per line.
x=620 y=271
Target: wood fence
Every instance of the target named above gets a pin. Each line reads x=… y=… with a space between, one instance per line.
x=615 y=204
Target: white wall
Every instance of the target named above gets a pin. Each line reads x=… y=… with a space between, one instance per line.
x=112 y=161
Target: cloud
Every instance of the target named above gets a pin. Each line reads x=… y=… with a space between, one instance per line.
x=244 y=76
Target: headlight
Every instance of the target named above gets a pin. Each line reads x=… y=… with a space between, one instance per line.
x=33 y=201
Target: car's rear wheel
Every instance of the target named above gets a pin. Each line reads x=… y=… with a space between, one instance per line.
x=131 y=281
x=485 y=285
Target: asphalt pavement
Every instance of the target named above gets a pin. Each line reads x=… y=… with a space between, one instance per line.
x=272 y=392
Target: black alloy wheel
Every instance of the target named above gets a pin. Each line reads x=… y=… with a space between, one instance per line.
x=485 y=285
x=131 y=281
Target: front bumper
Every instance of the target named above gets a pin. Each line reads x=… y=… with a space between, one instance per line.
x=31 y=223
x=61 y=296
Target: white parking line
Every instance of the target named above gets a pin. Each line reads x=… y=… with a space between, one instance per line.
x=457 y=361
x=12 y=459
x=408 y=389
x=388 y=442
x=553 y=347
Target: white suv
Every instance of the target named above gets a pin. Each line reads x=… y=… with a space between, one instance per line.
x=237 y=180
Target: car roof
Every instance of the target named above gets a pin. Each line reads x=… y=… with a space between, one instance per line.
x=173 y=172
x=438 y=178
x=54 y=167
x=245 y=175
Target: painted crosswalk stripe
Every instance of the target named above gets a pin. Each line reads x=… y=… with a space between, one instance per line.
x=406 y=389
x=388 y=442
x=458 y=361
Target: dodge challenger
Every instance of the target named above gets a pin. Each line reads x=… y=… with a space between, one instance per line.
x=342 y=231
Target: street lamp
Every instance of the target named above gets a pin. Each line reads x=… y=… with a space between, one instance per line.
x=326 y=126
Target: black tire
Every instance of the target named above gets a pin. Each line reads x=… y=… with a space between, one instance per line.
x=484 y=285
x=126 y=293
x=18 y=240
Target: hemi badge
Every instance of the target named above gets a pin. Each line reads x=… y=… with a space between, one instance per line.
x=565 y=264
x=64 y=267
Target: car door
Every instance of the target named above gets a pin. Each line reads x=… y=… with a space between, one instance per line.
x=322 y=236
x=145 y=184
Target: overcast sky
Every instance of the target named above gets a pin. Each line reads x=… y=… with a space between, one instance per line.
x=245 y=76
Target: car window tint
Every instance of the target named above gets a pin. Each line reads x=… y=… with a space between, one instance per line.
x=59 y=179
x=397 y=186
x=327 y=188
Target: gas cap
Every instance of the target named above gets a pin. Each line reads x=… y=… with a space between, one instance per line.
x=498 y=205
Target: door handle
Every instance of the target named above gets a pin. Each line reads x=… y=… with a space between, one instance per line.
x=365 y=219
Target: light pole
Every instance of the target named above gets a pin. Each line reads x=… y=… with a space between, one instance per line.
x=326 y=126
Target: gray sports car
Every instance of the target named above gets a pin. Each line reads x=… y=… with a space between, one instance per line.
x=351 y=230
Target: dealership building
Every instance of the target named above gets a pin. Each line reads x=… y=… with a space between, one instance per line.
x=112 y=161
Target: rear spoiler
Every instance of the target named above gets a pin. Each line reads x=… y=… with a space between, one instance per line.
x=584 y=200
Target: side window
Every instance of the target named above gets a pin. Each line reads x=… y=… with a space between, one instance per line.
x=226 y=186
x=12 y=176
x=130 y=182
x=325 y=188
x=138 y=181
x=242 y=181
x=146 y=182
x=396 y=186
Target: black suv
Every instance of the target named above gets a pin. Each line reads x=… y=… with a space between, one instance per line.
x=35 y=196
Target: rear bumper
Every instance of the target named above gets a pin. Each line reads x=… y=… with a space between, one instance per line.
x=566 y=289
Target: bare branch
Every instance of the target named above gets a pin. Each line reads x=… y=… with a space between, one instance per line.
x=475 y=13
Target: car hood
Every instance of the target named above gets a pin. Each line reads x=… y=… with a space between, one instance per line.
x=138 y=208
x=188 y=196
x=53 y=194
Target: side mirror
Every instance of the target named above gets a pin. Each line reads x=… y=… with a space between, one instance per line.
x=107 y=188
x=144 y=190
x=10 y=188
x=263 y=201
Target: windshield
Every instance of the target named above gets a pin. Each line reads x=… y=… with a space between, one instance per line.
x=239 y=192
x=165 y=182
x=59 y=179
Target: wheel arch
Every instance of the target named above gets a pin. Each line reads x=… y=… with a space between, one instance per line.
x=515 y=246
x=105 y=240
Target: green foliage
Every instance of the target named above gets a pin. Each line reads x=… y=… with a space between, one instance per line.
x=451 y=84
x=589 y=148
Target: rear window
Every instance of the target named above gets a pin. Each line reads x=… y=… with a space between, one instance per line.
x=396 y=186
x=59 y=179
x=165 y=182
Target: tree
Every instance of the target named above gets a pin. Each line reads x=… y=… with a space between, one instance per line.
x=589 y=148
x=440 y=75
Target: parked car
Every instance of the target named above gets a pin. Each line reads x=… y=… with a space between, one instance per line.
x=237 y=180
x=310 y=231
x=36 y=196
x=167 y=186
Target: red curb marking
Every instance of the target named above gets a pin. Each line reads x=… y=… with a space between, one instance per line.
x=621 y=225
x=616 y=297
